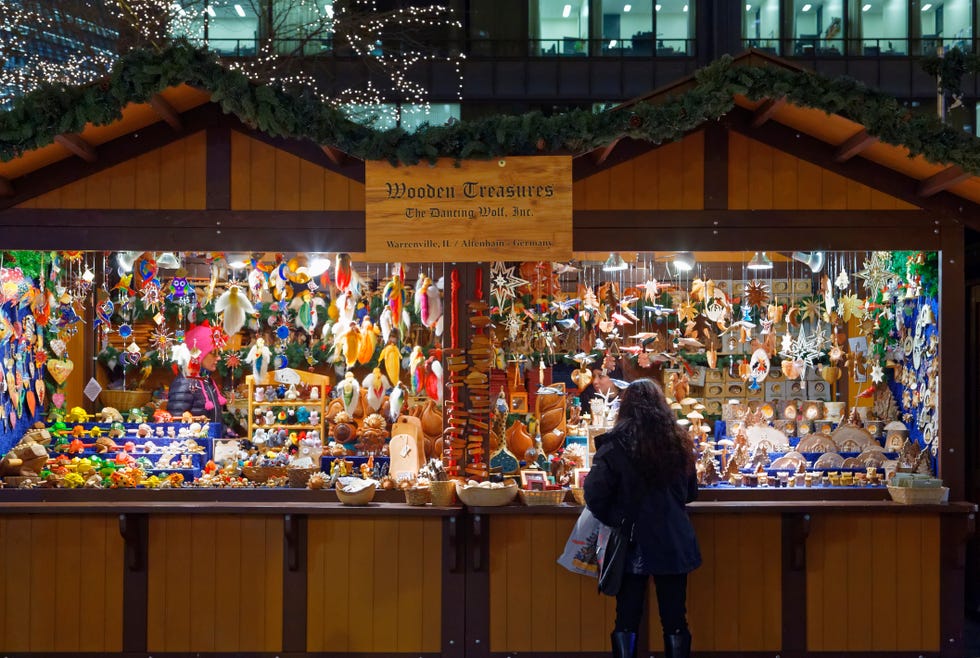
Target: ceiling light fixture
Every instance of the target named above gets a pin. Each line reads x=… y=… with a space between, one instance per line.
x=241 y=12
x=659 y=7
x=813 y=259
x=807 y=7
x=748 y=7
x=685 y=7
x=760 y=261
x=627 y=8
x=210 y=11
x=614 y=263
x=866 y=7
x=927 y=6
x=168 y=261
x=238 y=260
x=567 y=11
x=684 y=261
x=612 y=44
x=318 y=264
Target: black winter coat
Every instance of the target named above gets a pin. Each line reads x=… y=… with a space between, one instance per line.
x=187 y=394
x=663 y=531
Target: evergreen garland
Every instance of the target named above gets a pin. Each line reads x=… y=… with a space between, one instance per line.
x=950 y=69
x=35 y=119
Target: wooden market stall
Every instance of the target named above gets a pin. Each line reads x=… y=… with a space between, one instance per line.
x=266 y=572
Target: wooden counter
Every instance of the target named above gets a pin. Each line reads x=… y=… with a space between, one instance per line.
x=271 y=572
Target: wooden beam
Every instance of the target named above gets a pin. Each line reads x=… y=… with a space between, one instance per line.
x=166 y=111
x=853 y=145
x=601 y=155
x=766 y=110
x=6 y=187
x=626 y=149
x=941 y=181
x=336 y=156
x=76 y=145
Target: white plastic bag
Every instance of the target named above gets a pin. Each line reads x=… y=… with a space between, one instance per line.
x=580 y=554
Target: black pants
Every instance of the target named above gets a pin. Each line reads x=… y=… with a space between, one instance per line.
x=671 y=598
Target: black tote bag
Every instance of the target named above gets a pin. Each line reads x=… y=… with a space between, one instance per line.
x=615 y=559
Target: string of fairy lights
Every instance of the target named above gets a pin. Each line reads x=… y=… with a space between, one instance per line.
x=45 y=43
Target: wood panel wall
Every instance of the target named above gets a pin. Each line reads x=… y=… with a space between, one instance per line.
x=167 y=178
x=215 y=583
x=375 y=584
x=670 y=177
x=62 y=583
x=873 y=583
x=267 y=178
x=536 y=605
x=734 y=600
x=763 y=178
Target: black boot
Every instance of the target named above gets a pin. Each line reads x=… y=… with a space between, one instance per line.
x=678 y=645
x=623 y=644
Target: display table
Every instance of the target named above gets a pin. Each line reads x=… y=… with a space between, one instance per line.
x=271 y=571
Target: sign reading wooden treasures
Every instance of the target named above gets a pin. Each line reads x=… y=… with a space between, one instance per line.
x=516 y=208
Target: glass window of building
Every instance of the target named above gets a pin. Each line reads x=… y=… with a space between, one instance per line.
x=302 y=28
x=674 y=24
x=559 y=27
x=760 y=25
x=943 y=23
x=626 y=21
x=187 y=19
x=437 y=114
x=233 y=27
x=818 y=27
x=884 y=27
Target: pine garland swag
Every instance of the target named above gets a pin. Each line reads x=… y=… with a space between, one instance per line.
x=36 y=118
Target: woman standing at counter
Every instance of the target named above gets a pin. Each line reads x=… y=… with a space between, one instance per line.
x=643 y=474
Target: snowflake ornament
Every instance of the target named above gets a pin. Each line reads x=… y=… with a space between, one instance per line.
x=877 y=272
x=513 y=323
x=843 y=282
x=877 y=374
x=804 y=349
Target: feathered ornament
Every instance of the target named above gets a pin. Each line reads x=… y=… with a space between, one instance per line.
x=259 y=357
x=386 y=324
x=391 y=358
x=433 y=379
x=305 y=304
x=180 y=355
x=344 y=272
x=396 y=400
x=350 y=393
x=415 y=368
x=368 y=341
x=234 y=307
x=258 y=282
x=375 y=384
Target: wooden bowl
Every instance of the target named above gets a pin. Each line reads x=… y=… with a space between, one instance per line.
x=362 y=497
x=484 y=497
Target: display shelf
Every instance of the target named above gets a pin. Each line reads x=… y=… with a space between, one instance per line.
x=322 y=382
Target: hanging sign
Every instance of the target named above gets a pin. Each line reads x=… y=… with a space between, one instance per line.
x=517 y=208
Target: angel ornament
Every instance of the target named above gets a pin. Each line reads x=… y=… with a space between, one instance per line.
x=259 y=356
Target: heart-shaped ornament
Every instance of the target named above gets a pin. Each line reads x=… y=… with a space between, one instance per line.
x=58 y=347
x=59 y=400
x=60 y=369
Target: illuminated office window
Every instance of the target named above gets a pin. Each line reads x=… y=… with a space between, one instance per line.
x=303 y=28
x=627 y=27
x=943 y=23
x=760 y=25
x=818 y=27
x=674 y=23
x=559 y=27
x=884 y=27
x=233 y=27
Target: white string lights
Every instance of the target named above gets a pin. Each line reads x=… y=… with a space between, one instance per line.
x=46 y=42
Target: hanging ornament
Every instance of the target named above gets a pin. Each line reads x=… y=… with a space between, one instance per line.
x=513 y=323
x=757 y=293
x=877 y=374
x=503 y=283
x=805 y=349
x=150 y=295
x=843 y=282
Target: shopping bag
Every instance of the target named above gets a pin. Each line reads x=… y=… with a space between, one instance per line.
x=613 y=556
x=580 y=554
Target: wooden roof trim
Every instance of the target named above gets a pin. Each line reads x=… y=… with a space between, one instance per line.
x=854 y=145
x=76 y=145
x=166 y=111
x=336 y=156
x=767 y=110
x=941 y=181
x=601 y=155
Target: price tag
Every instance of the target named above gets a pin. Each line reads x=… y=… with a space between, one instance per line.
x=287 y=376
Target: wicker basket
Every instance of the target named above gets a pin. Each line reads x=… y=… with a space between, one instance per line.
x=298 y=477
x=417 y=495
x=443 y=493
x=263 y=473
x=578 y=493
x=485 y=497
x=542 y=497
x=362 y=497
x=124 y=400
x=918 y=495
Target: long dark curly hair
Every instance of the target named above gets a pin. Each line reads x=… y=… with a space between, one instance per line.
x=659 y=447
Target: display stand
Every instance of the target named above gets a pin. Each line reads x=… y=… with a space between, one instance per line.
x=284 y=378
